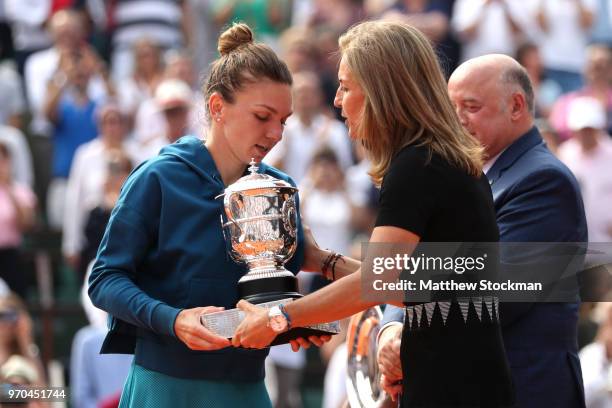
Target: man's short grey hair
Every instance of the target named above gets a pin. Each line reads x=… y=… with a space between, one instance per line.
x=517 y=76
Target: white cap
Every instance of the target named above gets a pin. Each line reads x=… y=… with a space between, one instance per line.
x=21 y=367
x=586 y=112
x=173 y=93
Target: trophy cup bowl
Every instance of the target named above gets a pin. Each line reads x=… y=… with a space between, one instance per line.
x=259 y=222
x=260 y=227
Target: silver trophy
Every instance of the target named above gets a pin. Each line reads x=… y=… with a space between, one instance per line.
x=259 y=222
x=260 y=227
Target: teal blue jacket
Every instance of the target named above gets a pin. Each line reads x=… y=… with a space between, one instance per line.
x=164 y=251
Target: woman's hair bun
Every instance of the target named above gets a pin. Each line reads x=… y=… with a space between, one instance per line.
x=237 y=35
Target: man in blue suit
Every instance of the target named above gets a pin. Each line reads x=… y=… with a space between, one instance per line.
x=537 y=199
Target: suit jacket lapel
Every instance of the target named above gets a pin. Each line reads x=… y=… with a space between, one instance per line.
x=529 y=140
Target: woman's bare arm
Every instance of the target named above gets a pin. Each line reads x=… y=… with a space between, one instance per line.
x=340 y=299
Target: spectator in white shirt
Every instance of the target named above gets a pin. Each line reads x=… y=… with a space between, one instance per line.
x=488 y=26
x=149 y=120
x=174 y=100
x=87 y=176
x=564 y=30
x=308 y=130
x=140 y=85
x=27 y=20
x=66 y=28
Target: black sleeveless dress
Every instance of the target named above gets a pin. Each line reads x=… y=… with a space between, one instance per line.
x=452 y=350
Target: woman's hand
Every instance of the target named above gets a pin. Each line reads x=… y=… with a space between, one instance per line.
x=301 y=342
x=190 y=331
x=392 y=388
x=254 y=331
x=389 y=359
x=389 y=363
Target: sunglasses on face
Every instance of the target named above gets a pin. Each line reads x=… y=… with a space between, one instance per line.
x=9 y=316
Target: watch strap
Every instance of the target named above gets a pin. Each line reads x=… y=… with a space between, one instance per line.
x=282 y=309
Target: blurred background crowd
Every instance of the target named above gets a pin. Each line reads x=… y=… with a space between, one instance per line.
x=91 y=88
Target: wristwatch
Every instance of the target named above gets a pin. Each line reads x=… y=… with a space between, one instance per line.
x=277 y=319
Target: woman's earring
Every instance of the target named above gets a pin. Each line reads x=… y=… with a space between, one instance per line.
x=218 y=118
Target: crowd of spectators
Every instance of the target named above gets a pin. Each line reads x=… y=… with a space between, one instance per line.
x=107 y=83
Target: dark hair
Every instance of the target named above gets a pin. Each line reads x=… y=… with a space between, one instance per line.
x=7 y=49
x=517 y=75
x=242 y=61
x=4 y=151
x=523 y=50
x=405 y=97
x=325 y=154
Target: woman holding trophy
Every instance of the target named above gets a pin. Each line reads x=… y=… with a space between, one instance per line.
x=163 y=254
x=393 y=95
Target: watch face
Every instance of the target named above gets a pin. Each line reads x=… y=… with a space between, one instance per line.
x=278 y=323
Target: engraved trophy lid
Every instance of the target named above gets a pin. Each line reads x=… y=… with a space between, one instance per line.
x=256 y=181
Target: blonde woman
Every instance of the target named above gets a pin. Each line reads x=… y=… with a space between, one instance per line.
x=393 y=96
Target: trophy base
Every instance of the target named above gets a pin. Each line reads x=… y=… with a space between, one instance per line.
x=225 y=323
x=265 y=290
x=276 y=290
x=298 y=332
